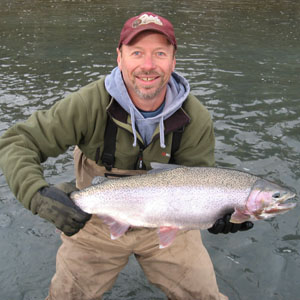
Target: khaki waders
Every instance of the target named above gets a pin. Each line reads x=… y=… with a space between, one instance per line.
x=89 y=262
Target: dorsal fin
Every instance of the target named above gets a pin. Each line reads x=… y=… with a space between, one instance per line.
x=159 y=167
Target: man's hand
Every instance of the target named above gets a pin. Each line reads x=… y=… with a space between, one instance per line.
x=55 y=205
x=224 y=226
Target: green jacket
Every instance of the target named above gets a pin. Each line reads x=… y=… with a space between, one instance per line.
x=80 y=119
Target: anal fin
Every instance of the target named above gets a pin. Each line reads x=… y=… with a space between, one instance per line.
x=166 y=236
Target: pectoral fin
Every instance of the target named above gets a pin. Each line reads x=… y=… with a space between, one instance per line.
x=117 y=228
x=239 y=217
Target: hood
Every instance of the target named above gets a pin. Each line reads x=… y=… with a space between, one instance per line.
x=177 y=91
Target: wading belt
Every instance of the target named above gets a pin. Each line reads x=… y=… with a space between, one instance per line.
x=108 y=155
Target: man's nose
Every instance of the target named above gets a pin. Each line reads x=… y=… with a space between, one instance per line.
x=148 y=63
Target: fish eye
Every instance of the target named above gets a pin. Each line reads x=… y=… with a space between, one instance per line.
x=276 y=195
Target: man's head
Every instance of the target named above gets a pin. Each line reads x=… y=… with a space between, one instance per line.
x=146 y=58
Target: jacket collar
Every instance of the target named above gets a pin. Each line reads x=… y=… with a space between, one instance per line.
x=176 y=121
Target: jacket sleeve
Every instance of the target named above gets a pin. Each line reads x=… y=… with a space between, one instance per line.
x=45 y=134
x=197 y=144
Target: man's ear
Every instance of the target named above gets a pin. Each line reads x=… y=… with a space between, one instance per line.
x=174 y=63
x=119 y=58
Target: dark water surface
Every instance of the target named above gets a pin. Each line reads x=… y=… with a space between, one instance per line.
x=242 y=59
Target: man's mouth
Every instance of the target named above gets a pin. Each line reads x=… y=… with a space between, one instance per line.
x=146 y=78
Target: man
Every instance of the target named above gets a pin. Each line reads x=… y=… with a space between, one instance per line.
x=142 y=112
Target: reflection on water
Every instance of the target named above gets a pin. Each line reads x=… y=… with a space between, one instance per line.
x=242 y=59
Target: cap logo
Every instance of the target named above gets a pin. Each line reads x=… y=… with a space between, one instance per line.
x=146 y=19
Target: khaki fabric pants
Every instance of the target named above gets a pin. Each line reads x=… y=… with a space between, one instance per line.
x=89 y=262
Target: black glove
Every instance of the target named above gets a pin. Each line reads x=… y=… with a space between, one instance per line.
x=224 y=226
x=55 y=205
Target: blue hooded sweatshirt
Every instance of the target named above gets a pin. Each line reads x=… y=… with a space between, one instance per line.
x=177 y=91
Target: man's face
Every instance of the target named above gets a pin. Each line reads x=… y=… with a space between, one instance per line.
x=146 y=65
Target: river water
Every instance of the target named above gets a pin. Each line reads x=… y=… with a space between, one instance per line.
x=242 y=59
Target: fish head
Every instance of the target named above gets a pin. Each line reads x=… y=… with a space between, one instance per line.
x=265 y=200
x=268 y=199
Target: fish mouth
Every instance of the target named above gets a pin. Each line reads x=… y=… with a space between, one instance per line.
x=281 y=206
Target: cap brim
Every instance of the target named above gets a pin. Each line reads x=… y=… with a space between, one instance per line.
x=131 y=36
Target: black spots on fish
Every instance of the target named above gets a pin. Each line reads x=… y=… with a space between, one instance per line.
x=223 y=177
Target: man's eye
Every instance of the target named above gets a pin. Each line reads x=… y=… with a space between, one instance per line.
x=136 y=53
x=160 y=53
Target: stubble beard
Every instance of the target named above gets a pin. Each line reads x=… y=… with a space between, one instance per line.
x=149 y=95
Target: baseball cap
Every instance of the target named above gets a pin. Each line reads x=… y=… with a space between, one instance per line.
x=146 y=21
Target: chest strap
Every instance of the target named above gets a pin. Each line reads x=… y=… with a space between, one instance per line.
x=108 y=155
x=110 y=135
x=175 y=143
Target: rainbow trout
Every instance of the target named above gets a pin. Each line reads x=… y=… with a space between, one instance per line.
x=172 y=197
